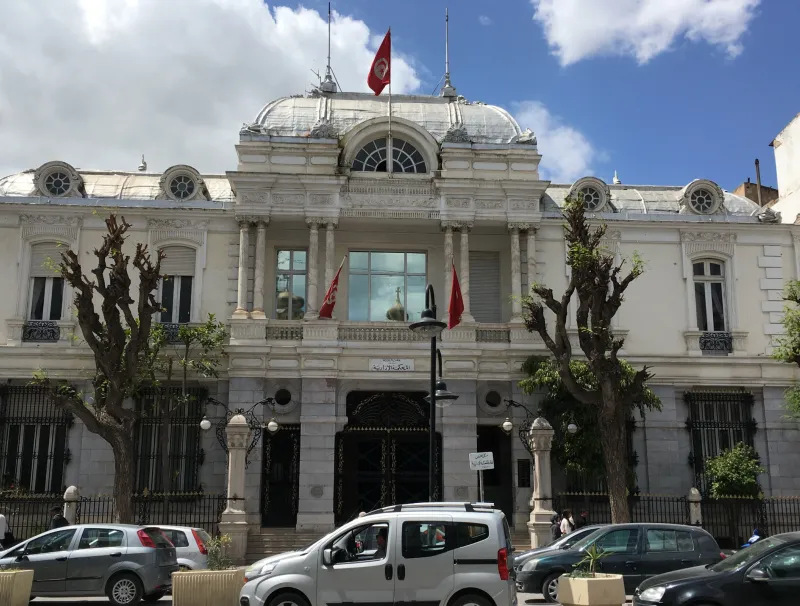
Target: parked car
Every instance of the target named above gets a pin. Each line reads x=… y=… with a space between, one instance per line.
x=125 y=563
x=637 y=552
x=765 y=574
x=190 y=546
x=432 y=553
x=564 y=542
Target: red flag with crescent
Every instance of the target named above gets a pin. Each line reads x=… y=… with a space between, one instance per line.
x=381 y=71
x=456 y=303
x=329 y=302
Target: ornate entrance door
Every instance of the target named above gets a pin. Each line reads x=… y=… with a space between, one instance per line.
x=382 y=453
x=280 y=477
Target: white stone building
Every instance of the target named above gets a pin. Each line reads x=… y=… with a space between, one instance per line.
x=259 y=245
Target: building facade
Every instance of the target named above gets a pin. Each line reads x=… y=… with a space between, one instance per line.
x=259 y=245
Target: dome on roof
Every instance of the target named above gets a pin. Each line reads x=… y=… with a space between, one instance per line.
x=338 y=113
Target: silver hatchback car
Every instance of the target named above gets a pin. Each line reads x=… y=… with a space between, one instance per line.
x=126 y=563
x=190 y=545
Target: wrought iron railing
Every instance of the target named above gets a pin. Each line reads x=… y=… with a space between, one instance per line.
x=28 y=514
x=171 y=332
x=654 y=509
x=41 y=331
x=33 y=439
x=716 y=343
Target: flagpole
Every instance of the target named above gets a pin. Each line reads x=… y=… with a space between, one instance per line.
x=389 y=147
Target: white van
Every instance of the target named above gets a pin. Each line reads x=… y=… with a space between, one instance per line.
x=431 y=554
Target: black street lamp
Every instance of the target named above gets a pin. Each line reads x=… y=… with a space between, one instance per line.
x=525 y=427
x=429 y=326
x=444 y=397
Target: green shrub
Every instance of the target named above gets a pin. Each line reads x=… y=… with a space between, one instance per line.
x=218 y=553
x=734 y=473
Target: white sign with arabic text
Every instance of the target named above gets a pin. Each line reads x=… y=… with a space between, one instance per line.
x=392 y=365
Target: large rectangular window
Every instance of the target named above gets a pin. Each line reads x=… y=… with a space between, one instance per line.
x=46 y=295
x=386 y=286
x=290 y=285
x=178 y=268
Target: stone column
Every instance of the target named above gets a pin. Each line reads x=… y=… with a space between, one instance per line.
x=330 y=251
x=448 y=268
x=241 y=286
x=312 y=304
x=516 y=274
x=71 y=500
x=463 y=277
x=695 y=507
x=234 y=518
x=260 y=270
x=541 y=437
x=531 y=258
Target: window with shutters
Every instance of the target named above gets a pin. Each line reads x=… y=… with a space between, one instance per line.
x=177 y=268
x=484 y=287
x=47 y=285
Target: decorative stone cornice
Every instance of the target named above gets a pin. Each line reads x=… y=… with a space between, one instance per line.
x=64 y=227
x=252 y=197
x=490 y=204
x=524 y=204
x=316 y=222
x=71 y=220
x=162 y=230
x=177 y=224
x=251 y=219
x=320 y=199
x=288 y=199
x=708 y=241
x=458 y=202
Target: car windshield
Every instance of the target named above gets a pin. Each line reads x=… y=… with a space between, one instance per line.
x=746 y=556
x=587 y=540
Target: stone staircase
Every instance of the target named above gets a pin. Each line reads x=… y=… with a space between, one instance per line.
x=265 y=542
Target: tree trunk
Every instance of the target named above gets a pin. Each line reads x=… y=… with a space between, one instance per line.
x=124 y=473
x=613 y=436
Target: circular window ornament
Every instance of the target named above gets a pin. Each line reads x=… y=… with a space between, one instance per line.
x=283 y=397
x=493 y=400
x=591 y=198
x=702 y=201
x=57 y=183
x=182 y=187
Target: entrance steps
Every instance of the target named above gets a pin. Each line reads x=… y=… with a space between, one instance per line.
x=265 y=542
x=521 y=540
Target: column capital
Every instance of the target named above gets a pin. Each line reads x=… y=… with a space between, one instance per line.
x=316 y=222
x=247 y=220
x=331 y=223
x=520 y=226
x=449 y=225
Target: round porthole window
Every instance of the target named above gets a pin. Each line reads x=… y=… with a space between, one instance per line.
x=182 y=187
x=493 y=400
x=57 y=183
x=591 y=198
x=702 y=201
x=283 y=397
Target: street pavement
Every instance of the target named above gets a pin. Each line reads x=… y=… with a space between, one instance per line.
x=531 y=599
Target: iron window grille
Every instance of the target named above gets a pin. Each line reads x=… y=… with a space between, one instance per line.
x=33 y=440
x=185 y=454
x=718 y=421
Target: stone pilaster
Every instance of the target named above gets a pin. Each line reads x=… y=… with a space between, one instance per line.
x=241 y=284
x=541 y=437
x=448 y=266
x=330 y=251
x=464 y=228
x=531 y=253
x=516 y=273
x=234 y=518
x=312 y=302
x=260 y=270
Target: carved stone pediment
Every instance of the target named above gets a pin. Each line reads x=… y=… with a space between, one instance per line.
x=708 y=241
x=457 y=133
x=163 y=230
x=61 y=226
x=323 y=129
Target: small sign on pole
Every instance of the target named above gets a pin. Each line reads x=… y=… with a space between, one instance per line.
x=481 y=461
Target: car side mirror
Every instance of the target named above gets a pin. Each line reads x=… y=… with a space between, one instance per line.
x=327 y=558
x=757 y=575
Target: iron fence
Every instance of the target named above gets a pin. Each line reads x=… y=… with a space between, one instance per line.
x=655 y=509
x=28 y=515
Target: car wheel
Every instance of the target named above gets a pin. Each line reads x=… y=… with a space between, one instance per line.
x=124 y=590
x=154 y=597
x=470 y=600
x=288 y=598
x=550 y=587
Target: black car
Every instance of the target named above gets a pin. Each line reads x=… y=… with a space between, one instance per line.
x=564 y=542
x=637 y=552
x=765 y=574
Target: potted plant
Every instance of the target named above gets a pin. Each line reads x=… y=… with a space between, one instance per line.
x=219 y=585
x=15 y=587
x=587 y=587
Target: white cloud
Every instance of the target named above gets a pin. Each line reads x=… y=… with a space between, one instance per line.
x=484 y=20
x=579 y=29
x=567 y=154
x=96 y=83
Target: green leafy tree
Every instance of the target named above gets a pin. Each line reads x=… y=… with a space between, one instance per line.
x=788 y=345
x=599 y=285
x=734 y=473
x=582 y=452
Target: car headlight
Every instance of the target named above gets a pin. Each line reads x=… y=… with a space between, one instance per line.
x=530 y=565
x=654 y=594
x=260 y=570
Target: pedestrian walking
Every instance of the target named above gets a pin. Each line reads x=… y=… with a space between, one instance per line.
x=567 y=522
x=58 y=520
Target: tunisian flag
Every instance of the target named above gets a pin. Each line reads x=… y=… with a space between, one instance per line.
x=456 y=303
x=381 y=71
x=329 y=302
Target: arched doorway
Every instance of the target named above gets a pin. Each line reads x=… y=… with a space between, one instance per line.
x=382 y=454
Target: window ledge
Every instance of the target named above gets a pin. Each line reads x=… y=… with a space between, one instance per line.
x=19 y=335
x=713 y=343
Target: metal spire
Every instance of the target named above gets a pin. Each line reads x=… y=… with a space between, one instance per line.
x=328 y=85
x=448 y=90
x=616 y=180
x=143 y=166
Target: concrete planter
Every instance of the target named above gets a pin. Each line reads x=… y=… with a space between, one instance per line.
x=600 y=590
x=207 y=587
x=15 y=587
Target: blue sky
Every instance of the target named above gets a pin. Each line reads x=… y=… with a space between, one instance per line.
x=663 y=91
x=690 y=112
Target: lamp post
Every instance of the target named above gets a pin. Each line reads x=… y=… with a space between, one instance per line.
x=256 y=427
x=525 y=427
x=444 y=397
x=429 y=326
